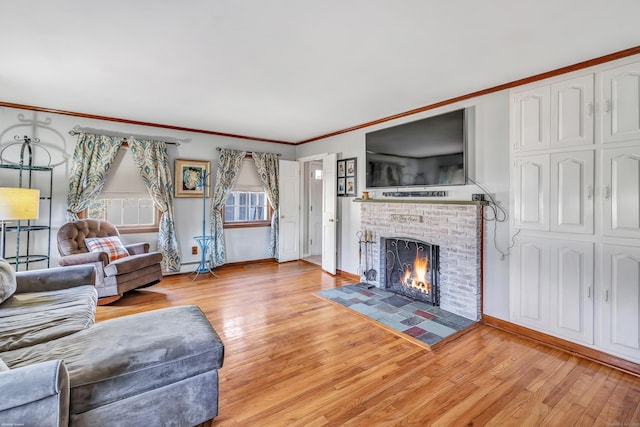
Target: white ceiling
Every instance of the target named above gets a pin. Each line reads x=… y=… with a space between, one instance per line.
x=289 y=70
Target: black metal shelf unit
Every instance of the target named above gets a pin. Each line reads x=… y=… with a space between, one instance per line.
x=23 y=230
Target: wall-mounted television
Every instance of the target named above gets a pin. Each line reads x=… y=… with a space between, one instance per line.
x=426 y=152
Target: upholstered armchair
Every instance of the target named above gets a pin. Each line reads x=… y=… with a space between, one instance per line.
x=119 y=268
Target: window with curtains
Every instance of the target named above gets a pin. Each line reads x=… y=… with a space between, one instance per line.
x=247 y=205
x=125 y=201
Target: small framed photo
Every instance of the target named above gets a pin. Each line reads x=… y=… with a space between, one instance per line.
x=189 y=174
x=341 y=187
x=341 y=168
x=351 y=167
x=350 y=190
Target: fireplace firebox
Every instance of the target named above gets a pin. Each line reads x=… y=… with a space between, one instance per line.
x=412 y=269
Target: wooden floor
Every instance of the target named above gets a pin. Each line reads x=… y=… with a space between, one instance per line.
x=293 y=359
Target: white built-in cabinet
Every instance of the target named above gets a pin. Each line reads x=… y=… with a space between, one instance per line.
x=531 y=119
x=531 y=192
x=621 y=191
x=620 y=292
x=530 y=282
x=575 y=194
x=621 y=110
x=572 y=112
x=572 y=191
x=552 y=286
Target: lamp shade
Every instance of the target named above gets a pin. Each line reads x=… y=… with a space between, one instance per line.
x=19 y=203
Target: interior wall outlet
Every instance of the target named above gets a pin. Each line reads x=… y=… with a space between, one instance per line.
x=194 y=250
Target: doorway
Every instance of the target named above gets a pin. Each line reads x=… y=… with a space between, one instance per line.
x=317 y=210
x=312 y=218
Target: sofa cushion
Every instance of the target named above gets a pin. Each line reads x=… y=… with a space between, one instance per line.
x=130 y=355
x=35 y=317
x=132 y=263
x=7 y=280
x=112 y=246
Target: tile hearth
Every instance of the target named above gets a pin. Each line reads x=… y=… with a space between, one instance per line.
x=421 y=321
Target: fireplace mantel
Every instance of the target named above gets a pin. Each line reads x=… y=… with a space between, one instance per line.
x=424 y=201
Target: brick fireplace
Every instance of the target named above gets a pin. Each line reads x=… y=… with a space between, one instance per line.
x=454 y=227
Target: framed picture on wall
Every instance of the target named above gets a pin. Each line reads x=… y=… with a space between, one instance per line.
x=341 y=187
x=351 y=167
x=341 y=168
x=350 y=190
x=188 y=182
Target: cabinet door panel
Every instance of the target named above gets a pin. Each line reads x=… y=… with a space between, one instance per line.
x=531 y=119
x=621 y=98
x=621 y=300
x=571 y=190
x=572 y=112
x=621 y=187
x=531 y=193
x=571 y=289
x=529 y=282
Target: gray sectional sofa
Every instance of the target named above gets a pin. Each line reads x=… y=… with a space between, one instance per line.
x=58 y=368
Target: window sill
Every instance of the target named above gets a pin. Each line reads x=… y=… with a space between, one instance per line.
x=247 y=224
x=136 y=230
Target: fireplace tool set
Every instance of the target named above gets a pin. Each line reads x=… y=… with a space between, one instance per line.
x=366 y=273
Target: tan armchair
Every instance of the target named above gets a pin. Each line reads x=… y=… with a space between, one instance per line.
x=140 y=268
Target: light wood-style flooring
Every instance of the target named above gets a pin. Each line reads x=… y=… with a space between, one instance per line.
x=293 y=359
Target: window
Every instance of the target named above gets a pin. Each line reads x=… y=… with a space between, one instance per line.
x=127 y=214
x=247 y=205
x=125 y=201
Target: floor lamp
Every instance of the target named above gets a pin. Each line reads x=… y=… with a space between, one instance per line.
x=17 y=204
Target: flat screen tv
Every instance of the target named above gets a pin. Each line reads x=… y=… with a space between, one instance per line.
x=423 y=153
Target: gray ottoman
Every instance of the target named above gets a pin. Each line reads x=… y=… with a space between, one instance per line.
x=153 y=368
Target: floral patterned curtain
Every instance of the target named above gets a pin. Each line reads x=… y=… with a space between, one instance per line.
x=152 y=161
x=229 y=164
x=92 y=158
x=267 y=165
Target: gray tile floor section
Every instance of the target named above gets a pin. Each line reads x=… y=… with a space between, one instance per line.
x=419 y=320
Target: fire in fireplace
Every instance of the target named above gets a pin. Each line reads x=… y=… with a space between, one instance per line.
x=412 y=269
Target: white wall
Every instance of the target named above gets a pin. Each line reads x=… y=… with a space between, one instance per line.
x=489 y=152
x=241 y=244
x=489 y=144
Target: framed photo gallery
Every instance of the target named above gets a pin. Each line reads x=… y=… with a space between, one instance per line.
x=347 y=177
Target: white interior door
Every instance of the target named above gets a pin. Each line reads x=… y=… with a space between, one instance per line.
x=289 y=211
x=329 y=218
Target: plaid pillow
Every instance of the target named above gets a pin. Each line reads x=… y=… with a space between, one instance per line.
x=111 y=245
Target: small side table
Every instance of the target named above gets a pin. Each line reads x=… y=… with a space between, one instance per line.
x=205 y=265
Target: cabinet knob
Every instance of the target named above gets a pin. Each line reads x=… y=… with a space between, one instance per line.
x=607 y=192
x=589 y=192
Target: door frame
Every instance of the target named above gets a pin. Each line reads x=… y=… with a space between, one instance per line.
x=302 y=160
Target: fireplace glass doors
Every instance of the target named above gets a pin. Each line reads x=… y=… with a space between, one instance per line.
x=412 y=269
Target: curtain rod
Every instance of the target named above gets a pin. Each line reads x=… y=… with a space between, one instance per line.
x=77 y=130
x=248 y=152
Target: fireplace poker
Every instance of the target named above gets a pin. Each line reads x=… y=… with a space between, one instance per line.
x=360 y=268
x=370 y=272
